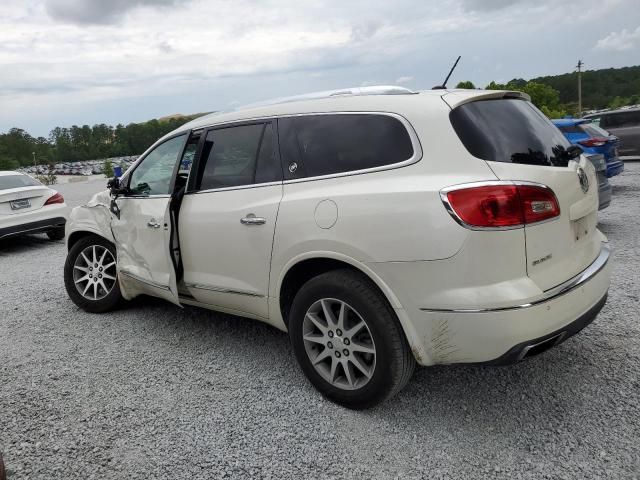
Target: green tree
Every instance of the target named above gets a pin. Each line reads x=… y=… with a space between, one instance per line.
x=466 y=84
x=108 y=169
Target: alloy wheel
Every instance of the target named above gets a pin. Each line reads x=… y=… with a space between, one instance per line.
x=94 y=272
x=339 y=344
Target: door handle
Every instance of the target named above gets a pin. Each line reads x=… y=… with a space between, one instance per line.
x=251 y=219
x=153 y=223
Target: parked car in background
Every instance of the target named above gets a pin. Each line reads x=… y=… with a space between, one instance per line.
x=344 y=226
x=604 y=187
x=27 y=206
x=593 y=140
x=624 y=124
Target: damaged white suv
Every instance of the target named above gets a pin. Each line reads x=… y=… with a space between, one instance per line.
x=380 y=227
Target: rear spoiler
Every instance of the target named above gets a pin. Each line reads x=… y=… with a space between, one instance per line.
x=455 y=98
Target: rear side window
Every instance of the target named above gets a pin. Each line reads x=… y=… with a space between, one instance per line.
x=237 y=156
x=622 y=119
x=338 y=143
x=509 y=130
x=17 y=181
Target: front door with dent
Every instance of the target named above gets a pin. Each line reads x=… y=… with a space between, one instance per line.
x=143 y=229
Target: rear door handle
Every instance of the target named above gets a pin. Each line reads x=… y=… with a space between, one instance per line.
x=153 y=223
x=251 y=219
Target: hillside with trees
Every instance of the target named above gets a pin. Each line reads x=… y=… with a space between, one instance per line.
x=557 y=95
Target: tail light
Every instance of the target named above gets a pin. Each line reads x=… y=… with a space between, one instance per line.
x=594 y=142
x=501 y=205
x=56 y=198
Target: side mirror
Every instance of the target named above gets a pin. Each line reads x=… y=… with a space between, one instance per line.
x=116 y=187
x=573 y=151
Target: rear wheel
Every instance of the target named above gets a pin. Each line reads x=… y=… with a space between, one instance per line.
x=56 y=233
x=348 y=340
x=90 y=275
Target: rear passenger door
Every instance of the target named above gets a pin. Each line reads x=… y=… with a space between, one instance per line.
x=228 y=218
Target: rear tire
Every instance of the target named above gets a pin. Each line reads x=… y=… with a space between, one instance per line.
x=105 y=295
x=361 y=360
x=56 y=233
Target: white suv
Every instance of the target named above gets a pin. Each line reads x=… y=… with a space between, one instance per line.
x=380 y=227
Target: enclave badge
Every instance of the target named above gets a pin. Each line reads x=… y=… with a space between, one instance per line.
x=584 y=180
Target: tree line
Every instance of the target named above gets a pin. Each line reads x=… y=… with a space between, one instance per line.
x=79 y=143
x=557 y=95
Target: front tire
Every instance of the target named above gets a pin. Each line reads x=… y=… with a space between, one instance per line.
x=348 y=340
x=90 y=275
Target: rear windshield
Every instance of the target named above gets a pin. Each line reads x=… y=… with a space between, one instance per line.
x=594 y=130
x=509 y=130
x=17 y=181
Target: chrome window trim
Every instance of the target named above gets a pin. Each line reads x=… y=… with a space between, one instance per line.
x=413 y=136
x=125 y=197
x=144 y=280
x=550 y=294
x=447 y=205
x=212 y=288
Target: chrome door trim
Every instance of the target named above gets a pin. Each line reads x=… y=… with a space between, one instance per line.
x=145 y=281
x=550 y=294
x=213 y=288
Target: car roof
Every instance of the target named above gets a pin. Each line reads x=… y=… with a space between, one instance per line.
x=613 y=112
x=569 y=122
x=382 y=98
x=4 y=173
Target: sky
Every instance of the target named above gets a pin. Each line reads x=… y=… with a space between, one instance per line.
x=75 y=62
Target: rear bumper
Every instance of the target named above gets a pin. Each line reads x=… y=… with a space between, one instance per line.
x=615 y=166
x=604 y=191
x=501 y=334
x=39 y=226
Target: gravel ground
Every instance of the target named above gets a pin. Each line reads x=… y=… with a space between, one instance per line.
x=154 y=391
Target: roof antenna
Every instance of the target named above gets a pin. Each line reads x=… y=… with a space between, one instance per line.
x=444 y=85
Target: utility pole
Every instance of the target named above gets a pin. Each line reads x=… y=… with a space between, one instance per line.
x=34 y=160
x=579 y=67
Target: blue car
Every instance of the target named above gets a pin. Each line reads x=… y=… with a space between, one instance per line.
x=593 y=140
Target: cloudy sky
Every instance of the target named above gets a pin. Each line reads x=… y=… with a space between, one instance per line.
x=65 y=62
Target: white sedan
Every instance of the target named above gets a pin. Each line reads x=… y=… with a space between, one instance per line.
x=27 y=206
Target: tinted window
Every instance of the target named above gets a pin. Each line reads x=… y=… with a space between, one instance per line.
x=237 y=156
x=343 y=143
x=17 y=181
x=622 y=119
x=153 y=176
x=509 y=130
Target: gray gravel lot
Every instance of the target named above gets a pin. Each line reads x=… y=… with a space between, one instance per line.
x=155 y=391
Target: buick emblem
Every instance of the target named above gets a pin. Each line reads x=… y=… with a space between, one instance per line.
x=583 y=179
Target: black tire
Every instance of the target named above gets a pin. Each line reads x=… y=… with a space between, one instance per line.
x=112 y=300
x=56 y=233
x=394 y=362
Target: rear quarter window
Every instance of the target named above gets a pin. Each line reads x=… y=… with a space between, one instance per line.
x=509 y=130
x=620 y=119
x=339 y=143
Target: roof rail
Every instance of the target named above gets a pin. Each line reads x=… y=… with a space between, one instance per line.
x=344 y=92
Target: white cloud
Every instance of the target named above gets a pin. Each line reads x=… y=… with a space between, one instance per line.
x=620 y=41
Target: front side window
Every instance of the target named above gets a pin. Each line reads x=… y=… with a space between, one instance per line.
x=154 y=175
x=338 y=143
x=511 y=131
x=237 y=156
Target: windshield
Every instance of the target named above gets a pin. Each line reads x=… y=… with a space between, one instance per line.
x=17 y=181
x=593 y=130
x=509 y=130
